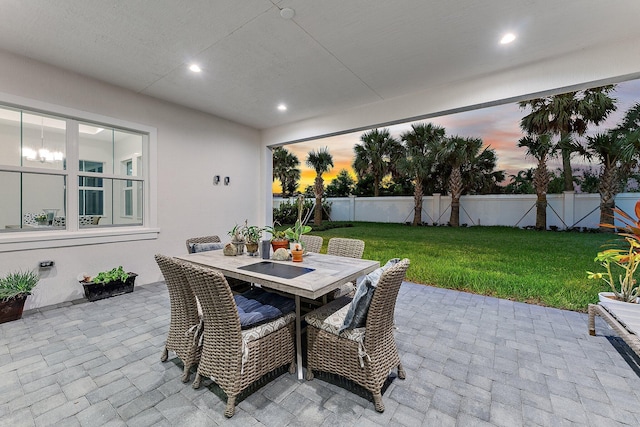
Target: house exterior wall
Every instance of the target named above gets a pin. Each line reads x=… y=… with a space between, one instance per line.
x=191 y=148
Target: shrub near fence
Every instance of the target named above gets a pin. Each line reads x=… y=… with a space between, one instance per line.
x=515 y=210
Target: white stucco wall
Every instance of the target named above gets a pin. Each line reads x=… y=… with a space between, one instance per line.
x=191 y=148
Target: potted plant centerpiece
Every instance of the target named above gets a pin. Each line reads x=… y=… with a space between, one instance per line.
x=252 y=235
x=14 y=289
x=620 y=264
x=294 y=233
x=41 y=219
x=278 y=237
x=108 y=283
x=237 y=238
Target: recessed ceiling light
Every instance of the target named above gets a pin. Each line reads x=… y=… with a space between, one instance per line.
x=195 y=68
x=287 y=13
x=282 y=107
x=507 y=38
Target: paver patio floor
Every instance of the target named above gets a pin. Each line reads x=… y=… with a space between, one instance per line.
x=470 y=360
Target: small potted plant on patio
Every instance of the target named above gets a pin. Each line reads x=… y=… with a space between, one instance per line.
x=620 y=264
x=108 y=283
x=14 y=289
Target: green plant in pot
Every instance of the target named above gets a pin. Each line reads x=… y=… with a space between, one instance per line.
x=278 y=237
x=237 y=238
x=298 y=229
x=108 y=283
x=14 y=289
x=620 y=263
x=41 y=219
x=252 y=235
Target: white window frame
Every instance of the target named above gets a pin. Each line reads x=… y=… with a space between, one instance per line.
x=73 y=235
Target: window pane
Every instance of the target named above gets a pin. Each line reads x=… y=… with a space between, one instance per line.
x=43 y=199
x=10 y=137
x=111 y=147
x=43 y=141
x=10 y=196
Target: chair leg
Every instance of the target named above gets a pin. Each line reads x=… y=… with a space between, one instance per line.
x=309 y=375
x=186 y=373
x=196 y=381
x=231 y=406
x=165 y=355
x=377 y=402
x=292 y=368
x=401 y=373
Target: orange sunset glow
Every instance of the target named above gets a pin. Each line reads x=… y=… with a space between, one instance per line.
x=499 y=128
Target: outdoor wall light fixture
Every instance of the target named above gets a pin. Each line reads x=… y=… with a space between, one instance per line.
x=226 y=180
x=216 y=179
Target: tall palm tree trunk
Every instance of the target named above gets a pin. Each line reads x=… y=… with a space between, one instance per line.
x=566 y=165
x=417 y=200
x=376 y=186
x=541 y=184
x=318 y=191
x=455 y=188
x=607 y=189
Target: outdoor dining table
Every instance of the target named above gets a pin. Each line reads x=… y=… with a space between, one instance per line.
x=315 y=277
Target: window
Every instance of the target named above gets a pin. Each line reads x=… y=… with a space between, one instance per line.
x=91 y=193
x=81 y=174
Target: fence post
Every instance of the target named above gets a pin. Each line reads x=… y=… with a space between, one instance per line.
x=569 y=207
x=435 y=206
x=352 y=207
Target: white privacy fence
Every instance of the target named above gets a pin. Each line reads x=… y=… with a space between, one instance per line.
x=564 y=210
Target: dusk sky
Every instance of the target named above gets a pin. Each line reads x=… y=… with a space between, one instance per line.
x=497 y=126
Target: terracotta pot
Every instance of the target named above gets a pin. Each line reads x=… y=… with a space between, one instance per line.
x=297 y=256
x=277 y=244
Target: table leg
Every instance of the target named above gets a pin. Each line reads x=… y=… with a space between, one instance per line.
x=298 y=339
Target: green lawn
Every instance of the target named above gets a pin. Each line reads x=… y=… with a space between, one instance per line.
x=546 y=268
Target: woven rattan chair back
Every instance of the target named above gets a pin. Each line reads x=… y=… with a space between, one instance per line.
x=184 y=315
x=311 y=243
x=222 y=350
x=202 y=239
x=333 y=353
x=383 y=304
x=353 y=248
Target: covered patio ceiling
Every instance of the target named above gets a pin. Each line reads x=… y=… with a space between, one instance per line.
x=331 y=56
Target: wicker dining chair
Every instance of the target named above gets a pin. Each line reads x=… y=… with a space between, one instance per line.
x=201 y=239
x=231 y=357
x=353 y=248
x=237 y=285
x=311 y=243
x=184 y=316
x=363 y=355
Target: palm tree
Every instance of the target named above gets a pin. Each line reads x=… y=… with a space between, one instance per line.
x=374 y=156
x=540 y=147
x=566 y=114
x=618 y=150
x=421 y=143
x=456 y=152
x=320 y=161
x=285 y=169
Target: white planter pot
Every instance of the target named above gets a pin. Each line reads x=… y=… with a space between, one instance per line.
x=609 y=298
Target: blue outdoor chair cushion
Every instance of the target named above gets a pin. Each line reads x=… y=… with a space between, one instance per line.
x=257 y=306
x=204 y=247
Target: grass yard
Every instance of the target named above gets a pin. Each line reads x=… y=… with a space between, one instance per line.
x=547 y=268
